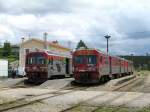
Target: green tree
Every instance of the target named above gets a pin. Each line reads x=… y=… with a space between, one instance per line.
x=6 y=49
x=1 y=52
x=81 y=44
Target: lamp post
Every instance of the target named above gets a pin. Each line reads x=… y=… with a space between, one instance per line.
x=132 y=57
x=107 y=37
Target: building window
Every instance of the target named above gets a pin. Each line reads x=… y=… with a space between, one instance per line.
x=27 y=51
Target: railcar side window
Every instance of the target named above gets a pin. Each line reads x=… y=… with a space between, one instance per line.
x=91 y=59
x=106 y=61
x=36 y=60
x=51 y=62
x=101 y=58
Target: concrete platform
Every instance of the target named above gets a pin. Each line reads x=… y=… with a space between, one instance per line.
x=11 y=82
x=119 y=81
x=56 y=84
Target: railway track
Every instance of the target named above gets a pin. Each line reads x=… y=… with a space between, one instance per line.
x=30 y=99
x=83 y=103
x=129 y=84
x=126 y=86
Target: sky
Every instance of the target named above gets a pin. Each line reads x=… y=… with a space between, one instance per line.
x=126 y=21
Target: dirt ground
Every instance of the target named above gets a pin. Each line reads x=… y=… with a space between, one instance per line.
x=66 y=96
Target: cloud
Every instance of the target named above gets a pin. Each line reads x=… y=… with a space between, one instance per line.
x=126 y=21
x=38 y=7
x=5 y=33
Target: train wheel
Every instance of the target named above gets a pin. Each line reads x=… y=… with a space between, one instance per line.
x=113 y=77
x=26 y=81
x=120 y=75
x=104 y=79
x=108 y=78
x=116 y=76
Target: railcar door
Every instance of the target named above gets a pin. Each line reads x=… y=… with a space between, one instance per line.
x=127 y=67
x=50 y=68
x=120 y=65
x=67 y=66
x=68 y=69
x=110 y=65
x=124 y=66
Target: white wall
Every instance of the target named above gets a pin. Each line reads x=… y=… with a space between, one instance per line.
x=3 y=67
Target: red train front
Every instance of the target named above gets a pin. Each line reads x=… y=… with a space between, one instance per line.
x=36 y=66
x=42 y=65
x=86 y=66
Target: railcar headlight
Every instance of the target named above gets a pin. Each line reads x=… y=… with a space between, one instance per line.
x=72 y=68
x=93 y=68
x=27 y=69
x=76 y=69
x=43 y=69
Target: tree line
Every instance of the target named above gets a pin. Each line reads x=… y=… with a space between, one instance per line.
x=6 y=52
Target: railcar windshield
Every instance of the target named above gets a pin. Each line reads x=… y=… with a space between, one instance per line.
x=85 y=59
x=36 y=59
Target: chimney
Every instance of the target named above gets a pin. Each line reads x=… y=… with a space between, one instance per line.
x=45 y=40
x=69 y=44
x=55 y=42
x=22 y=39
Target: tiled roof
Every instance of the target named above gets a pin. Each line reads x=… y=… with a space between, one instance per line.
x=49 y=43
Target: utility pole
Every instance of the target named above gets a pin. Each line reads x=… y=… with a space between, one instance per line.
x=107 y=37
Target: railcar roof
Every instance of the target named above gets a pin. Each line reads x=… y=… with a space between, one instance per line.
x=54 y=53
x=105 y=53
x=61 y=54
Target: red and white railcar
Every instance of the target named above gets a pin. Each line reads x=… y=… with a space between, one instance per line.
x=91 y=66
x=43 y=64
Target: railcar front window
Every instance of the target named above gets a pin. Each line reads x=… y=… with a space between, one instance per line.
x=40 y=60
x=85 y=59
x=79 y=60
x=36 y=60
x=91 y=59
x=31 y=61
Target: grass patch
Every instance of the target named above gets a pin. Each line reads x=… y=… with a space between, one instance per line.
x=115 y=109
x=82 y=108
x=142 y=73
x=122 y=109
x=146 y=109
x=108 y=109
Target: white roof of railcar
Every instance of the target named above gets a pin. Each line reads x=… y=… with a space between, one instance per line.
x=57 y=53
x=54 y=52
